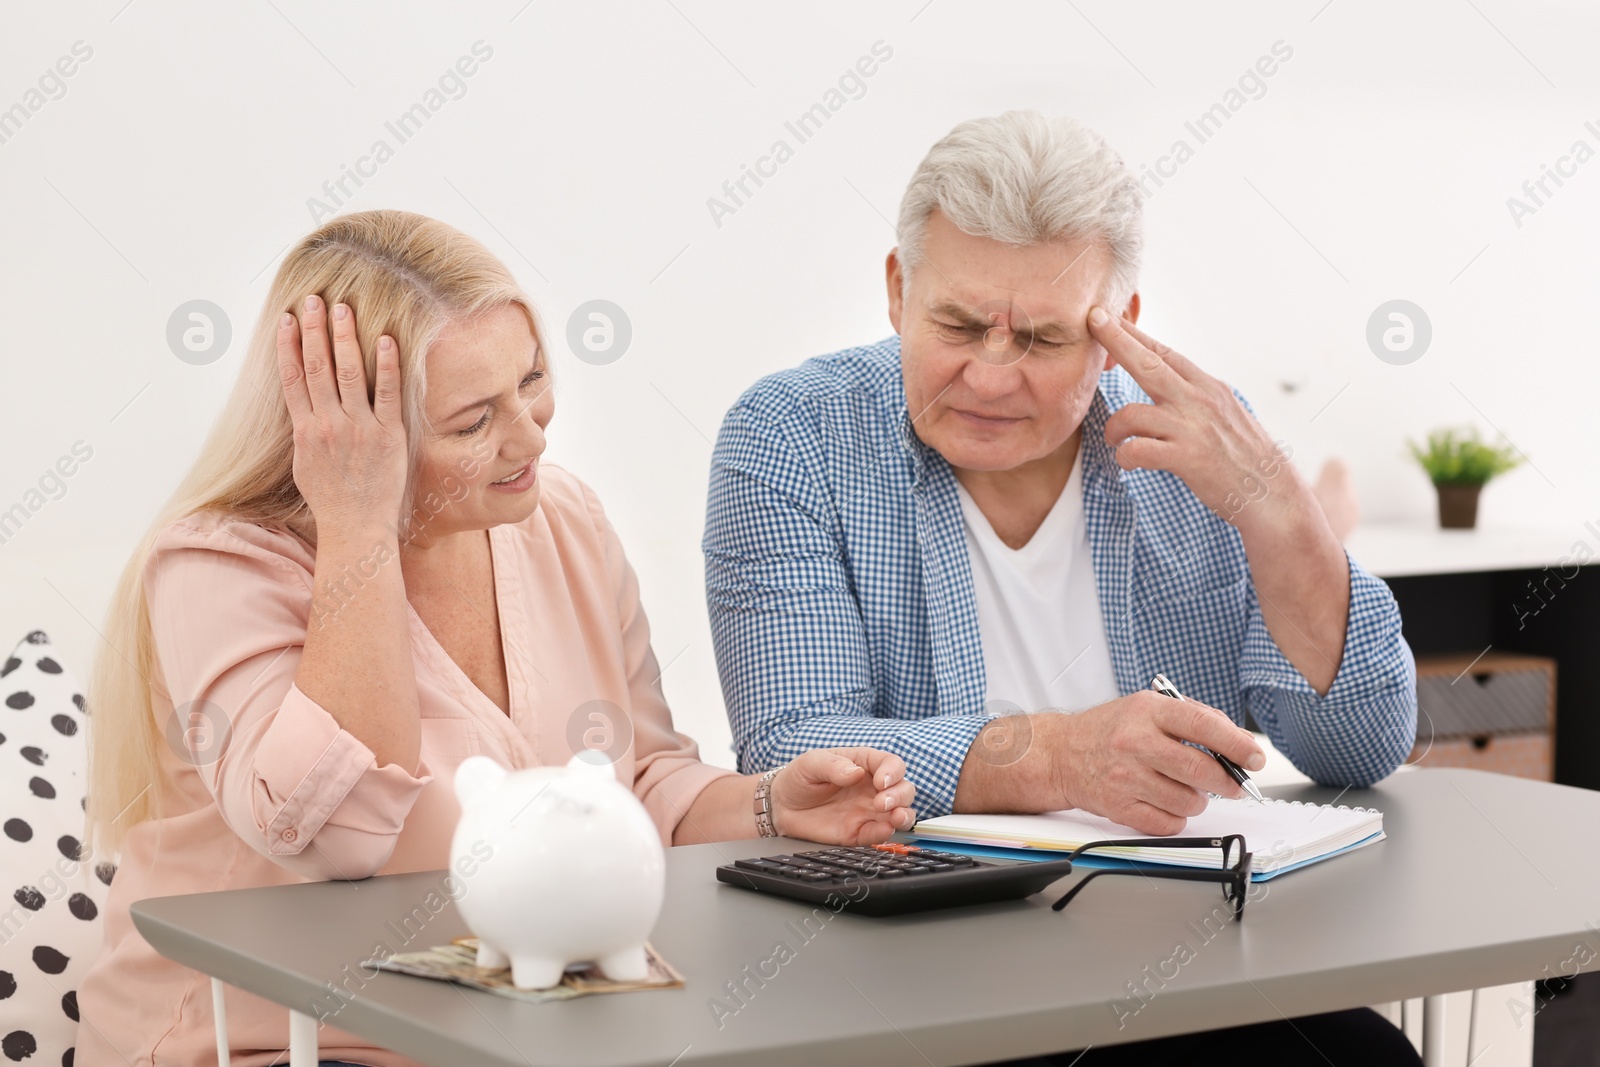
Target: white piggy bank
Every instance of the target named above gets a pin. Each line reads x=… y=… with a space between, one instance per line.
x=576 y=873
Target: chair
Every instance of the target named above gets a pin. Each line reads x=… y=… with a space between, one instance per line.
x=51 y=928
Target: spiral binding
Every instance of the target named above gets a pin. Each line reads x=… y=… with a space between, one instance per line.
x=1310 y=804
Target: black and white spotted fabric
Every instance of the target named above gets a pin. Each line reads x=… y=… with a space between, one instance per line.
x=50 y=926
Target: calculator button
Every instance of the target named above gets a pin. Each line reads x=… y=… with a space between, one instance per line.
x=758 y=865
x=942 y=867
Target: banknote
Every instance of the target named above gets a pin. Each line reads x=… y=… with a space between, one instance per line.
x=456 y=962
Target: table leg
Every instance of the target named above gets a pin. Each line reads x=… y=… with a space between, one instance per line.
x=1472 y=1029
x=219 y=1012
x=302 y=1040
x=1433 y=1031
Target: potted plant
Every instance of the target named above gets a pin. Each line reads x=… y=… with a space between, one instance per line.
x=1459 y=464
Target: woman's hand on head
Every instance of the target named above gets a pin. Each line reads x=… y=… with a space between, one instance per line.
x=844 y=796
x=350 y=460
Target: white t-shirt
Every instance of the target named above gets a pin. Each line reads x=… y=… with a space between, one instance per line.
x=1044 y=641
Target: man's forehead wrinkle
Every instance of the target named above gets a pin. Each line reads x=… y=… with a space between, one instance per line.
x=926 y=259
x=1085 y=251
x=1012 y=317
x=984 y=312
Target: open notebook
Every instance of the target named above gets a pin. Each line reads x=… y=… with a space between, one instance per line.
x=1283 y=834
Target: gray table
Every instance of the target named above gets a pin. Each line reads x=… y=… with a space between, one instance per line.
x=1483 y=880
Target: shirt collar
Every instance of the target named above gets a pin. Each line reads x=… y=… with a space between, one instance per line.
x=1100 y=469
x=909 y=441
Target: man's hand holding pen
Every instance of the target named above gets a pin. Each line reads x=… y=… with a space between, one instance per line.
x=1162 y=685
x=1125 y=759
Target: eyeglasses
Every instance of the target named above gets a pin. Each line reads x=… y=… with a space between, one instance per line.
x=1234 y=876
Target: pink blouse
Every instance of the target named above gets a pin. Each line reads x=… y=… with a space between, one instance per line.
x=275 y=792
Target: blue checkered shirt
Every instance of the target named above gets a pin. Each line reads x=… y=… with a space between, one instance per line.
x=842 y=606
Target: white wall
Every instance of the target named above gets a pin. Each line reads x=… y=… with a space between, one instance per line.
x=1377 y=164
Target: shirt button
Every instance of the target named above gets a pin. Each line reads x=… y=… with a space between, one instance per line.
x=289 y=835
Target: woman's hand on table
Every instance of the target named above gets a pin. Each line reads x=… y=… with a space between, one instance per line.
x=846 y=796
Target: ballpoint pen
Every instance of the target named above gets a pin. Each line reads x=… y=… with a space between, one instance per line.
x=1161 y=685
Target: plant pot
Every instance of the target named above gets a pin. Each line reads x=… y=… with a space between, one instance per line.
x=1458 y=506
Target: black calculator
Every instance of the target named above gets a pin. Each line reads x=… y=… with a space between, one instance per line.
x=891 y=879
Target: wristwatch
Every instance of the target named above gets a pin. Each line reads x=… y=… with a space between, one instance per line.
x=764 y=803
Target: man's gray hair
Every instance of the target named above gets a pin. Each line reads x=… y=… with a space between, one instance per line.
x=1023 y=178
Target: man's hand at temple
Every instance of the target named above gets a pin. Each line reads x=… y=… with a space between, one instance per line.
x=1196 y=428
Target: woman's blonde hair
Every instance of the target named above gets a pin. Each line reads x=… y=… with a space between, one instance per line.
x=402 y=274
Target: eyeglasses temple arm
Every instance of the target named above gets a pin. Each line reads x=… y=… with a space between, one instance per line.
x=1179 y=875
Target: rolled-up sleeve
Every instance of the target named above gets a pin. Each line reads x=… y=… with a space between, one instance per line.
x=228 y=616
x=668 y=772
x=1365 y=725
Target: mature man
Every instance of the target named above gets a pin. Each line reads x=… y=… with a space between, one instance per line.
x=1023 y=505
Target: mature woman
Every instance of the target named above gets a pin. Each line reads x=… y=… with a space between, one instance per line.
x=367 y=577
